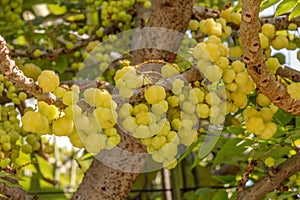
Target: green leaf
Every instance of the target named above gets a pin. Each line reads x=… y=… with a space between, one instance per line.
x=204 y=191
x=221 y=195
x=57 y=9
x=190 y=149
x=285 y=6
x=235 y=130
x=209 y=142
x=295 y=12
x=62 y=63
x=297 y=121
x=10 y=184
x=233 y=148
x=282 y=117
x=267 y=3
x=225 y=179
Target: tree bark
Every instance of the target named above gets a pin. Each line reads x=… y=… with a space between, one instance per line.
x=171 y=18
x=272 y=180
x=13 y=193
x=110 y=180
x=255 y=60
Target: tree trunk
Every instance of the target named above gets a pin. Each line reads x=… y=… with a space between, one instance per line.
x=113 y=173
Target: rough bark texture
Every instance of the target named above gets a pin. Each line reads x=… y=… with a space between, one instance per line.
x=280 y=22
x=289 y=73
x=255 y=61
x=172 y=16
x=272 y=180
x=12 y=73
x=13 y=193
x=101 y=181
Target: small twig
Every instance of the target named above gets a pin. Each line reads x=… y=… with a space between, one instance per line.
x=245 y=177
x=290 y=73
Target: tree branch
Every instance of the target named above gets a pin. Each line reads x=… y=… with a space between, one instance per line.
x=102 y=181
x=13 y=193
x=289 y=73
x=280 y=22
x=12 y=73
x=255 y=60
x=272 y=180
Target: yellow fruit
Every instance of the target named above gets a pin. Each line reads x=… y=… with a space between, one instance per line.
x=262 y=100
x=213 y=73
x=222 y=62
x=170 y=164
x=213 y=51
x=70 y=98
x=229 y=75
x=48 y=81
x=213 y=39
x=125 y=110
x=50 y=111
x=203 y=110
x=242 y=79
x=123 y=72
x=266 y=114
x=158 y=141
x=63 y=126
x=169 y=150
x=157 y=156
x=249 y=112
x=269 y=162
x=169 y=70
x=272 y=64
x=212 y=98
x=236 y=18
x=75 y=139
x=143 y=118
x=226 y=14
x=73 y=111
x=59 y=92
x=268 y=30
x=269 y=130
x=31 y=70
x=105 y=117
x=35 y=122
x=236 y=51
x=239 y=99
x=255 y=125
x=279 y=42
x=264 y=41
x=154 y=94
x=238 y=66
x=193 y=24
x=200 y=51
x=293 y=90
x=94 y=142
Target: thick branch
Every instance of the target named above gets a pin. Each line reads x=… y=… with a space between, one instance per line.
x=272 y=180
x=280 y=22
x=254 y=58
x=14 y=193
x=171 y=19
x=102 y=181
x=12 y=73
